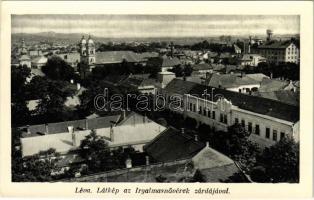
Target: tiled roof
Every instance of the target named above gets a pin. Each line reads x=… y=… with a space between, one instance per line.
x=62 y=127
x=209 y=158
x=172 y=145
x=70 y=57
x=285 y=96
x=269 y=85
x=24 y=57
x=116 y=57
x=275 y=45
x=40 y=60
x=230 y=81
x=253 y=103
x=164 y=62
x=258 y=76
x=178 y=86
x=202 y=67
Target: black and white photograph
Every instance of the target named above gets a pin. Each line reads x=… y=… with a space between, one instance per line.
x=155 y=98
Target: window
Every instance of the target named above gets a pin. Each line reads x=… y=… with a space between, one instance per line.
x=267 y=132
x=225 y=119
x=243 y=122
x=214 y=115
x=191 y=105
x=257 y=131
x=208 y=114
x=250 y=127
x=204 y=112
x=275 y=135
x=194 y=108
x=221 y=117
x=200 y=110
x=282 y=135
x=236 y=120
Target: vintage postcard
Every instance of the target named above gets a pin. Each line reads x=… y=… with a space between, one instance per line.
x=157 y=99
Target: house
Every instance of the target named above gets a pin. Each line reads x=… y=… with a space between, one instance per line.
x=233 y=82
x=25 y=60
x=270 y=85
x=268 y=120
x=285 y=96
x=119 y=130
x=251 y=60
x=279 y=51
x=161 y=148
x=39 y=61
x=141 y=84
x=164 y=63
x=202 y=68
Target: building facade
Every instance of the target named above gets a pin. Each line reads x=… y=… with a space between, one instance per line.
x=268 y=121
x=278 y=52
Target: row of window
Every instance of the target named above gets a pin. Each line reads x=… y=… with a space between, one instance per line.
x=203 y=111
x=257 y=130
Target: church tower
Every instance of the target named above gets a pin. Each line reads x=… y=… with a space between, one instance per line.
x=87 y=52
x=90 y=48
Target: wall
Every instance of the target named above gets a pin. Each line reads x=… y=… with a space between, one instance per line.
x=225 y=107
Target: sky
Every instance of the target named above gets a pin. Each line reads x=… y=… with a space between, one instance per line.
x=157 y=25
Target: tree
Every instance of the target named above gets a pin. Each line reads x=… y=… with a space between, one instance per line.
x=36 y=168
x=19 y=111
x=52 y=97
x=281 y=161
x=94 y=149
x=235 y=143
x=57 y=69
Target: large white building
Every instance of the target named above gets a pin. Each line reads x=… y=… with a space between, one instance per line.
x=278 y=51
x=119 y=131
x=266 y=119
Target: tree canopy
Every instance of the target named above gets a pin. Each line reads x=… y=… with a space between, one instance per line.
x=281 y=161
x=57 y=69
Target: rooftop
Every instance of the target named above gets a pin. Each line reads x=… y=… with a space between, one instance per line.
x=230 y=81
x=162 y=147
x=254 y=104
x=178 y=86
x=275 y=45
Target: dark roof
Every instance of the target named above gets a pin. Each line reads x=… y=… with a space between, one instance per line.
x=270 y=85
x=61 y=127
x=230 y=80
x=163 y=62
x=178 y=86
x=107 y=57
x=275 y=45
x=252 y=103
x=172 y=145
x=285 y=96
x=203 y=66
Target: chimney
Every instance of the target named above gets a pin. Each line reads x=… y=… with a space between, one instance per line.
x=144 y=119
x=207 y=144
x=86 y=124
x=28 y=130
x=78 y=86
x=128 y=163
x=147 y=160
x=111 y=133
x=71 y=129
x=196 y=138
x=47 y=130
x=271 y=75
x=182 y=130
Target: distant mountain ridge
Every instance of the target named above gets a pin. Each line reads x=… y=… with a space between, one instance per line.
x=75 y=37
